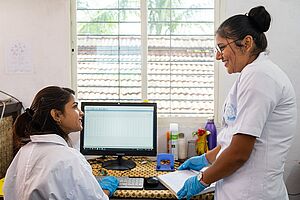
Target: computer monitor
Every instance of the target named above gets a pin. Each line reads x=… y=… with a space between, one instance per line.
x=119 y=129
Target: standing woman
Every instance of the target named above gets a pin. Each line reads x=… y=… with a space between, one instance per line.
x=46 y=167
x=259 y=118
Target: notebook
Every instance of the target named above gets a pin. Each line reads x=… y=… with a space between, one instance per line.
x=174 y=181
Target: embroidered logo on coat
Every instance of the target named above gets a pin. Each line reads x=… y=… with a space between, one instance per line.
x=230 y=113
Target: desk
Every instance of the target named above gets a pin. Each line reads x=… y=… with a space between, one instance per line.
x=141 y=170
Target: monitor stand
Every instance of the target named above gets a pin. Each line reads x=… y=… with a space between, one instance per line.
x=118 y=164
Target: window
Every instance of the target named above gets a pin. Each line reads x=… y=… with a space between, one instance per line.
x=156 y=50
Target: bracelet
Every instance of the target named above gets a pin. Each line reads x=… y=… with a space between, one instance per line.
x=200 y=179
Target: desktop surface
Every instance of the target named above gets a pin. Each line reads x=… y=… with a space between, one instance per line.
x=144 y=168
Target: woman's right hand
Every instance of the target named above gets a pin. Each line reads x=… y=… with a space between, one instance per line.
x=195 y=163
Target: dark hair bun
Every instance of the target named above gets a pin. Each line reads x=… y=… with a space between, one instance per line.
x=260 y=18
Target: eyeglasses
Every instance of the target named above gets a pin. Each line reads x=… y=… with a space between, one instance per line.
x=220 y=49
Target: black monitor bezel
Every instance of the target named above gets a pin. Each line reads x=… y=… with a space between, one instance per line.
x=120 y=152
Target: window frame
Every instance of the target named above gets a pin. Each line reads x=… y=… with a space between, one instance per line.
x=184 y=122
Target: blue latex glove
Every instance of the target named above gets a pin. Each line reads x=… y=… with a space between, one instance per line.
x=109 y=183
x=195 y=163
x=190 y=188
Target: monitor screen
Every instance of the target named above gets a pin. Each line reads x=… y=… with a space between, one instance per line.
x=120 y=129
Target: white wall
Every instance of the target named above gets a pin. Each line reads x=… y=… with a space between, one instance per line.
x=44 y=27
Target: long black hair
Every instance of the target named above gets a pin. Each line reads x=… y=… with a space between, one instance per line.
x=255 y=23
x=37 y=119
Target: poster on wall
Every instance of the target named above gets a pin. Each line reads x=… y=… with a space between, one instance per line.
x=18 y=57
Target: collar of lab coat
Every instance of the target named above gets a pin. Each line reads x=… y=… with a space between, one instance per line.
x=49 y=138
x=262 y=56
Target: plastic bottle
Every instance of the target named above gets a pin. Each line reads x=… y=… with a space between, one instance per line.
x=212 y=137
x=174 y=139
x=181 y=147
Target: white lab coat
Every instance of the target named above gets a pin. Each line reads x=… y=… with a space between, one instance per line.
x=261 y=103
x=47 y=168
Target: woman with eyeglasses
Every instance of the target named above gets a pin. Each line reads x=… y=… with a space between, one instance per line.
x=259 y=118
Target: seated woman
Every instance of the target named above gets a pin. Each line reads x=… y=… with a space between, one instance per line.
x=47 y=167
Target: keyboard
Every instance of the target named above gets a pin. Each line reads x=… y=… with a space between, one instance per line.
x=126 y=182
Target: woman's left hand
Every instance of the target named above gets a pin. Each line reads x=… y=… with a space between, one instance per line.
x=190 y=188
x=109 y=183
